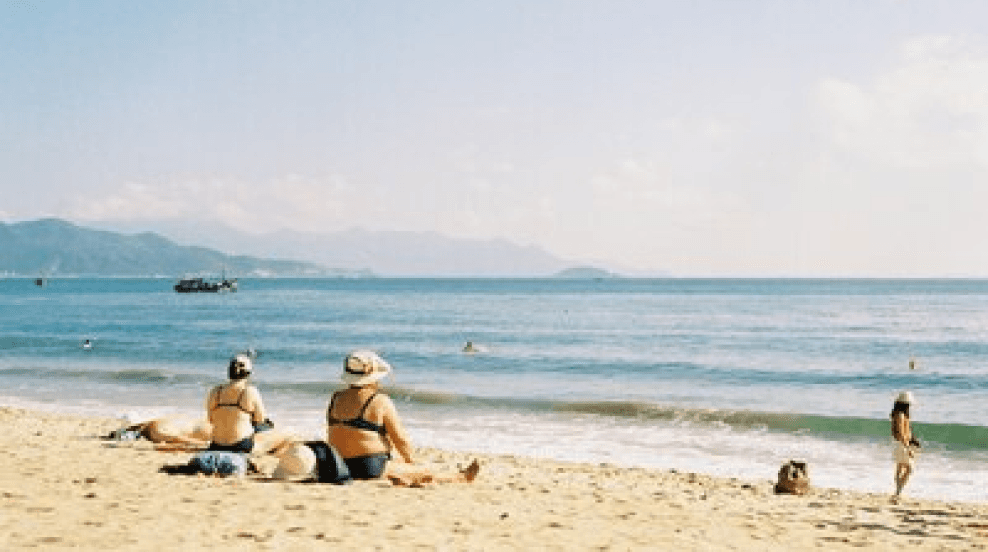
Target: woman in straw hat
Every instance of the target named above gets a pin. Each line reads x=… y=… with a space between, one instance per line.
x=906 y=444
x=364 y=426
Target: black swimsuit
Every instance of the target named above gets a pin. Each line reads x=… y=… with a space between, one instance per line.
x=370 y=466
x=359 y=422
x=236 y=404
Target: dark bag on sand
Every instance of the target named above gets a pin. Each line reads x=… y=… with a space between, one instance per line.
x=265 y=425
x=794 y=478
x=330 y=467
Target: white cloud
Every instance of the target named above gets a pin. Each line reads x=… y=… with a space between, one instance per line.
x=925 y=47
x=932 y=110
x=714 y=130
x=292 y=201
x=655 y=191
x=643 y=211
x=892 y=189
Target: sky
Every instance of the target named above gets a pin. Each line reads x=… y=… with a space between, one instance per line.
x=688 y=137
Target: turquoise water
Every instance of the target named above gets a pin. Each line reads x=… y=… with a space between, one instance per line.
x=729 y=377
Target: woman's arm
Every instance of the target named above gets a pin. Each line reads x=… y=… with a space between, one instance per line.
x=258 y=414
x=211 y=403
x=396 y=430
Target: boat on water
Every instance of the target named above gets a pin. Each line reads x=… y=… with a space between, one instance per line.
x=202 y=285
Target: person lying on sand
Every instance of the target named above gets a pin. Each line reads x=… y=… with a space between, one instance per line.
x=364 y=426
x=168 y=431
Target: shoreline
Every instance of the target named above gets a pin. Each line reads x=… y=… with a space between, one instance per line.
x=866 y=469
x=63 y=486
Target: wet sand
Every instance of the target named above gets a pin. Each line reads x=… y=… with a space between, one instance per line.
x=63 y=487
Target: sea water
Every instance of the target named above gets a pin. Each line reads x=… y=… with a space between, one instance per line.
x=727 y=377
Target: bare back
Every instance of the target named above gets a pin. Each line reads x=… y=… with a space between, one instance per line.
x=901 y=430
x=346 y=406
x=233 y=408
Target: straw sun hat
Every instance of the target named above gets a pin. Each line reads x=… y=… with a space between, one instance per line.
x=297 y=461
x=905 y=397
x=364 y=367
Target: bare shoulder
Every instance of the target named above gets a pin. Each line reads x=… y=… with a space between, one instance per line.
x=252 y=393
x=385 y=402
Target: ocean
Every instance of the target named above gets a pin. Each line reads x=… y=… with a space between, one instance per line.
x=721 y=376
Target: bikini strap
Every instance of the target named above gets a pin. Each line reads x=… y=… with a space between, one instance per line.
x=360 y=415
x=383 y=432
x=240 y=398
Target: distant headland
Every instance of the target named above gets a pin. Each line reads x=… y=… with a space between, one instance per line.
x=585 y=273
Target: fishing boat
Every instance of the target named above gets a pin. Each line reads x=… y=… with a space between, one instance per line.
x=202 y=285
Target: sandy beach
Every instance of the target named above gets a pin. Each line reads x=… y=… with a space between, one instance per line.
x=64 y=487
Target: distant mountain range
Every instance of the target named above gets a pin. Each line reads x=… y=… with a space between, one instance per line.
x=57 y=247
x=414 y=254
x=53 y=247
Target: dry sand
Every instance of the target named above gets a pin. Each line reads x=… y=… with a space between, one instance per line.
x=63 y=487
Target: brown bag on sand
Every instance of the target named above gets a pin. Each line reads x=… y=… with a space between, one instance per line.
x=794 y=478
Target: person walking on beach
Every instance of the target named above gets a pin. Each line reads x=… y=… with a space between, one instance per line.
x=905 y=443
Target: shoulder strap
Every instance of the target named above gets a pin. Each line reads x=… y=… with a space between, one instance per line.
x=240 y=398
x=381 y=430
x=360 y=415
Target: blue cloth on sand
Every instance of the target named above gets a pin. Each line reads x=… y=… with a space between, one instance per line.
x=126 y=435
x=219 y=463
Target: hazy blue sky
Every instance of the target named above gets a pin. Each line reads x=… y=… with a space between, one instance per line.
x=698 y=137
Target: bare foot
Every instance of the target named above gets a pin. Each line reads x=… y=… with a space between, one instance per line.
x=471 y=471
x=413 y=480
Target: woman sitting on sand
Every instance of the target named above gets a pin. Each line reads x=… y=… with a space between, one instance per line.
x=363 y=426
x=237 y=414
x=906 y=444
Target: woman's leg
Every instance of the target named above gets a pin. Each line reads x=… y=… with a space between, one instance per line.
x=168 y=432
x=902 y=473
x=272 y=441
x=406 y=475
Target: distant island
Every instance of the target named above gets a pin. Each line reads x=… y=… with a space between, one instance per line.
x=585 y=273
